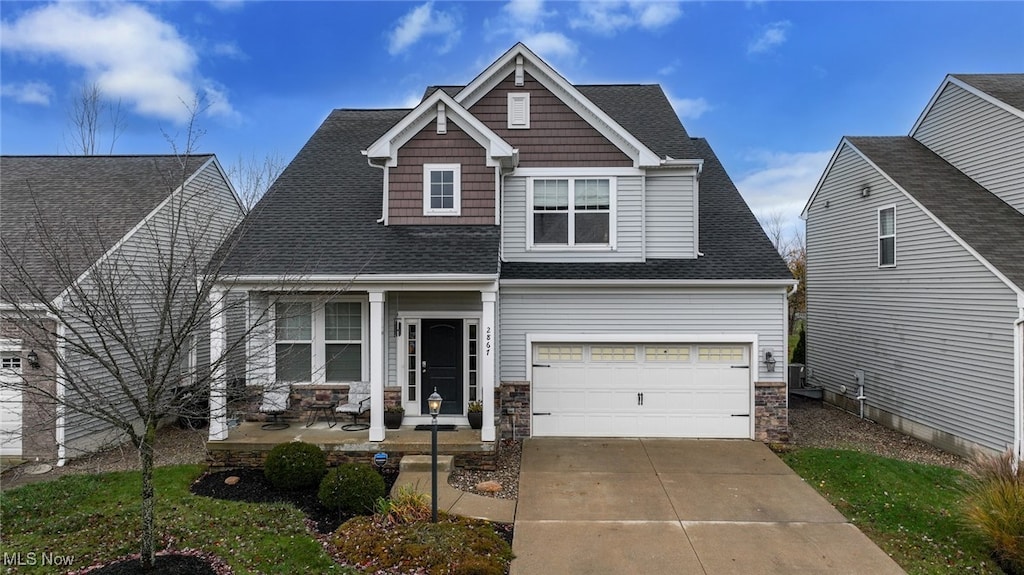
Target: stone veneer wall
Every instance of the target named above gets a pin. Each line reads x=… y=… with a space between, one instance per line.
x=234 y=457
x=514 y=395
x=771 y=412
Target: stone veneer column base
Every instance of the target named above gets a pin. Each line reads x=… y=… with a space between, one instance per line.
x=771 y=412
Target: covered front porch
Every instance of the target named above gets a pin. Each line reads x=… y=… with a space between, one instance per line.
x=247 y=445
x=405 y=337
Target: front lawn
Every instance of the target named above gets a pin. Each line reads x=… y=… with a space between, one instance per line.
x=95 y=519
x=912 y=511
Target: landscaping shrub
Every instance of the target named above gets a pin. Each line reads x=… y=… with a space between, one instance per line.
x=295 y=465
x=351 y=488
x=453 y=545
x=800 y=349
x=995 y=507
x=407 y=505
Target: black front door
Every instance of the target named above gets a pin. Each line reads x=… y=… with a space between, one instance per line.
x=441 y=366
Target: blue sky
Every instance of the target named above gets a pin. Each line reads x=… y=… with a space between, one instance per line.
x=772 y=85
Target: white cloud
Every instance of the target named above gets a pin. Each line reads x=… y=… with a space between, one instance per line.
x=526 y=12
x=611 y=17
x=773 y=35
x=128 y=52
x=229 y=50
x=783 y=183
x=28 y=92
x=421 y=22
x=690 y=108
x=551 y=45
x=669 y=69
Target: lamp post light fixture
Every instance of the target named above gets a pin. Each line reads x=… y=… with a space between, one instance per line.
x=434 y=403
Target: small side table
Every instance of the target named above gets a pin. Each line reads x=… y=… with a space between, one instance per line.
x=322 y=409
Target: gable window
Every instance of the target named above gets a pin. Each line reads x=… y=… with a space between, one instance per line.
x=442 y=189
x=887 y=237
x=572 y=211
x=319 y=343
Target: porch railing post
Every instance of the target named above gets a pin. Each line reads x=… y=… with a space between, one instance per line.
x=377 y=366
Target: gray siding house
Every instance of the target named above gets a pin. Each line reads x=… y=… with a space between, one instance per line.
x=915 y=271
x=565 y=255
x=68 y=224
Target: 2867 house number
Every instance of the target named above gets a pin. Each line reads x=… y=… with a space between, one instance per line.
x=32 y=558
x=487 y=342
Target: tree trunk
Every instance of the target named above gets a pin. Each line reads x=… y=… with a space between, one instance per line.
x=148 y=539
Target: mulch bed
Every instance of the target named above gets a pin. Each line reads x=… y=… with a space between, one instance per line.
x=187 y=562
x=253 y=487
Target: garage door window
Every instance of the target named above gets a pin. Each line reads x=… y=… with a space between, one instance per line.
x=667 y=353
x=613 y=353
x=12 y=362
x=720 y=353
x=560 y=352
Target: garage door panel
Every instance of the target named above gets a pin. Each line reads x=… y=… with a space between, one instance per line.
x=687 y=390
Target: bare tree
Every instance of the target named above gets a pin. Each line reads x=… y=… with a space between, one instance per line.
x=253 y=176
x=123 y=351
x=89 y=116
x=793 y=249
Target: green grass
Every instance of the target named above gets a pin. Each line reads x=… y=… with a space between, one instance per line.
x=912 y=511
x=95 y=518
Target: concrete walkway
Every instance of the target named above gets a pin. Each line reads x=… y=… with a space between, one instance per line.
x=415 y=471
x=665 y=506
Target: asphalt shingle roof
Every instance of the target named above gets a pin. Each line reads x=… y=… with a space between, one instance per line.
x=1006 y=87
x=988 y=224
x=73 y=197
x=731 y=239
x=320 y=216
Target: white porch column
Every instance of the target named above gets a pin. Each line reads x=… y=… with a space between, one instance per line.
x=376 y=366
x=218 y=381
x=487 y=381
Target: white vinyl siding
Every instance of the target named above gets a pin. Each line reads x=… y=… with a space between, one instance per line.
x=669 y=210
x=669 y=311
x=933 y=336
x=627 y=226
x=980 y=139
x=210 y=213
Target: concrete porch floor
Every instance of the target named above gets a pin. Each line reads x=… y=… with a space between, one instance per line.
x=250 y=437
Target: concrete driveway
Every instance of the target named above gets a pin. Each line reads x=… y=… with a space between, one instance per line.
x=657 y=506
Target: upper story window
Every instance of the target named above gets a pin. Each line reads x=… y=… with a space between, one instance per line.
x=318 y=343
x=572 y=211
x=442 y=189
x=887 y=237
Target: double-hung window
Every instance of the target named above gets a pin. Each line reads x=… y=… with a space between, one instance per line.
x=442 y=189
x=887 y=237
x=319 y=343
x=572 y=211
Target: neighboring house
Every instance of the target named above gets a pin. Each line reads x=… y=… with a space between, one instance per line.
x=90 y=218
x=915 y=270
x=567 y=255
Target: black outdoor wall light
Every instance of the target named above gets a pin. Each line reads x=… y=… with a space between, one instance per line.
x=33 y=359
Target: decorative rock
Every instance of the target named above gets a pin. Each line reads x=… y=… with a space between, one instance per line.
x=234 y=479
x=488 y=486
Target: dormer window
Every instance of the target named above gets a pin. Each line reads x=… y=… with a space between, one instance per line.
x=442 y=189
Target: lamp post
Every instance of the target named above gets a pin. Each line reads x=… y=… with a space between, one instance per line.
x=434 y=402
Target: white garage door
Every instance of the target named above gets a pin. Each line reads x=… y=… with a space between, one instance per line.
x=10 y=404
x=641 y=390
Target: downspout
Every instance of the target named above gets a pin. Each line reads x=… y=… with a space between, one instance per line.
x=60 y=377
x=1018 y=382
x=384 y=208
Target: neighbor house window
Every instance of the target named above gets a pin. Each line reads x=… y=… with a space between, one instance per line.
x=572 y=211
x=442 y=189
x=887 y=237
x=319 y=343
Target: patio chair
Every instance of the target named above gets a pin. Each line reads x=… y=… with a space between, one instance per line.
x=275 y=404
x=358 y=404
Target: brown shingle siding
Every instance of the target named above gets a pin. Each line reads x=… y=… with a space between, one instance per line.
x=557 y=136
x=405 y=196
